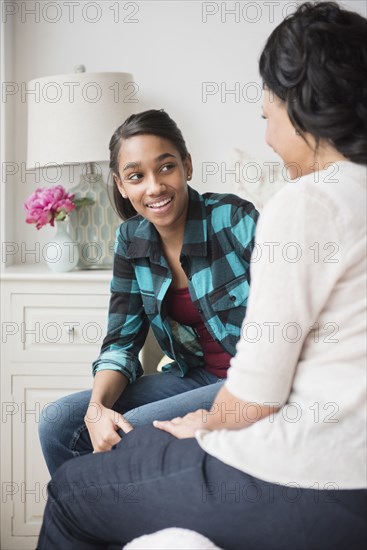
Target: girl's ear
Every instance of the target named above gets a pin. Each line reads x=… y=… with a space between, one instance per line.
x=188 y=166
x=120 y=186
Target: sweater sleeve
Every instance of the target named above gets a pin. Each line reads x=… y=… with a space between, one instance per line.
x=294 y=266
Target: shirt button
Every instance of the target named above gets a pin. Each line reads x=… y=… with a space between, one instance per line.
x=200 y=310
x=233 y=298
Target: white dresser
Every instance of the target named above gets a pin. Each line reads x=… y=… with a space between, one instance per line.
x=52 y=326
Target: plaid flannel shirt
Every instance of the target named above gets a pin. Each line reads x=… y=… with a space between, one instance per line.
x=216 y=251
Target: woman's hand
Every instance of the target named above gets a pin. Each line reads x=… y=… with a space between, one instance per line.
x=183 y=427
x=227 y=412
x=103 y=425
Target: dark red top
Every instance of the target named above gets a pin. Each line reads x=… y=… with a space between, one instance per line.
x=181 y=309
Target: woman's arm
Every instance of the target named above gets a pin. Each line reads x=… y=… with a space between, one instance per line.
x=287 y=295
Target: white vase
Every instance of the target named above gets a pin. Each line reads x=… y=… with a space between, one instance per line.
x=61 y=253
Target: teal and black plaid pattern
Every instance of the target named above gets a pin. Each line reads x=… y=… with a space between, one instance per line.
x=218 y=241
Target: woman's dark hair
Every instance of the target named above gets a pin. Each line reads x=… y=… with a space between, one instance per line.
x=316 y=62
x=153 y=122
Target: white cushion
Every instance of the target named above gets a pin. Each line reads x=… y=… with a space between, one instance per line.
x=173 y=537
x=164 y=361
x=255 y=179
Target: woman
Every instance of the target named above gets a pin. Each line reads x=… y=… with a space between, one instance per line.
x=181 y=266
x=279 y=462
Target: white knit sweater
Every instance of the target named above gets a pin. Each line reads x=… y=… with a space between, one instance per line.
x=303 y=343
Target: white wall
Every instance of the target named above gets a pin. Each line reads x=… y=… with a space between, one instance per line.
x=172 y=48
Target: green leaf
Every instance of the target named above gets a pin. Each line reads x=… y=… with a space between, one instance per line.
x=61 y=216
x=85 y=201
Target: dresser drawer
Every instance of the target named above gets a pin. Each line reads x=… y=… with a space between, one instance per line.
x=57 y=328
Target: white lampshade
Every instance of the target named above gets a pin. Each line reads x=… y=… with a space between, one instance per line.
x=72 y=117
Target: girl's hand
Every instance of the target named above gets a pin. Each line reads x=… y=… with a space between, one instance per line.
x=183 y=427
x=103 y=425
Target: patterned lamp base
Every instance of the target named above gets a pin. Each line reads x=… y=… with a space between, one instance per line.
x=94 y=223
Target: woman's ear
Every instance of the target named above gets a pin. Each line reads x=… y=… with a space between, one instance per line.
x=120 y=186
x=188 y=167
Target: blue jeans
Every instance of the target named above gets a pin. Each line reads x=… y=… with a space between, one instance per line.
x=152 y=480
x=63 y=433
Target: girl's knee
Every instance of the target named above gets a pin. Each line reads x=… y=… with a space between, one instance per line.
x=57 y=417
x=50 y=417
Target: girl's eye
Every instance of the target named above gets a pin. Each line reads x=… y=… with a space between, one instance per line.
x=134 y=177
x=167 y=167
x=264 y=117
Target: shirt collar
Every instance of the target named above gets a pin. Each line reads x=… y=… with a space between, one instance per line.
x=146 y=241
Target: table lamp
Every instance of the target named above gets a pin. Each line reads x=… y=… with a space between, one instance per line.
x=71 y=119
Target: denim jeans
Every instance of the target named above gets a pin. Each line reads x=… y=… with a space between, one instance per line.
x=63 y=433
x=152 y=480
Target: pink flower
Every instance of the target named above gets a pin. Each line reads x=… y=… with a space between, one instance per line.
x=47 y=204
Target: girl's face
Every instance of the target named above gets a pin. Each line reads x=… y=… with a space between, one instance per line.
x=154 y=178
x=297 y=155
